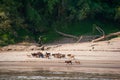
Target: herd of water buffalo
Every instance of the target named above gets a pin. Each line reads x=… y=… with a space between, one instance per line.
x=55 y=55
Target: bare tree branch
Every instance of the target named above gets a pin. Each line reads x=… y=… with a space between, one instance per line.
x=100 y=30
x=79 y=39
x=107 y=36
x=67 y=35
x=95 y=40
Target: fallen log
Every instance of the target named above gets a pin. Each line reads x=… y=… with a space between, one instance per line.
x=67 y=35
x=106 y=36
x=79 y=39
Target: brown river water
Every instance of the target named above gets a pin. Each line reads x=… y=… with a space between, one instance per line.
x=55 y=75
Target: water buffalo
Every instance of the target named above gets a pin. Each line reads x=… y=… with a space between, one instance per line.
x=77 y=62
x=47 y=55
x=71 y=56
x=38 y=54
x=58 y=55
x=68 y=62
x=35 y=54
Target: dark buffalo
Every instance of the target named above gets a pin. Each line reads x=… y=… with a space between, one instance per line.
x=68 y=62
x=58 y=55
x=71 y=56
x=35 y=55
x=38 y=54
x=47 y=55
x=68 y=54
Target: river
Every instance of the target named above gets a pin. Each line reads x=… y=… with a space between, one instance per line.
x=48 y=75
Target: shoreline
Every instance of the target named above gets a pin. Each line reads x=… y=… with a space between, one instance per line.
x=102 y=60
x=106 y=67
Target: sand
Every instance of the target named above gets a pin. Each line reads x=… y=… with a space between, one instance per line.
x=103 y=58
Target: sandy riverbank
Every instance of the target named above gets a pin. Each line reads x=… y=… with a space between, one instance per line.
x=104 y=58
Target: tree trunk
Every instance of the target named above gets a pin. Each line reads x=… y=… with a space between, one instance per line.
x=67 y=35
x=106 y=36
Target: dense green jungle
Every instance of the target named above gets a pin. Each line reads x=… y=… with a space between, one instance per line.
x=27 y=20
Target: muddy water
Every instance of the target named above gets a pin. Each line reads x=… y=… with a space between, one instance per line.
x=47 y=75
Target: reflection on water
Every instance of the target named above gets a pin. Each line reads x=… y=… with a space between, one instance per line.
x=46 y=75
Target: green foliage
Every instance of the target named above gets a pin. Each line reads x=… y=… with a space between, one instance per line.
x=28 y=19
x=4 y=22
x=50 y=37
x=5 y=40
x=34 y=18
x=117 y=15
x=33 y=15
x=51 y=4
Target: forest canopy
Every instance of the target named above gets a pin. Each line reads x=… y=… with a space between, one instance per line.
x=26 y=20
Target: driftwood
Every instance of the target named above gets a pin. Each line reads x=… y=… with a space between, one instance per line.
x=67 y=35
x=106 y=36
x=100 y=30
x=79 y=39
x=95 y=40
